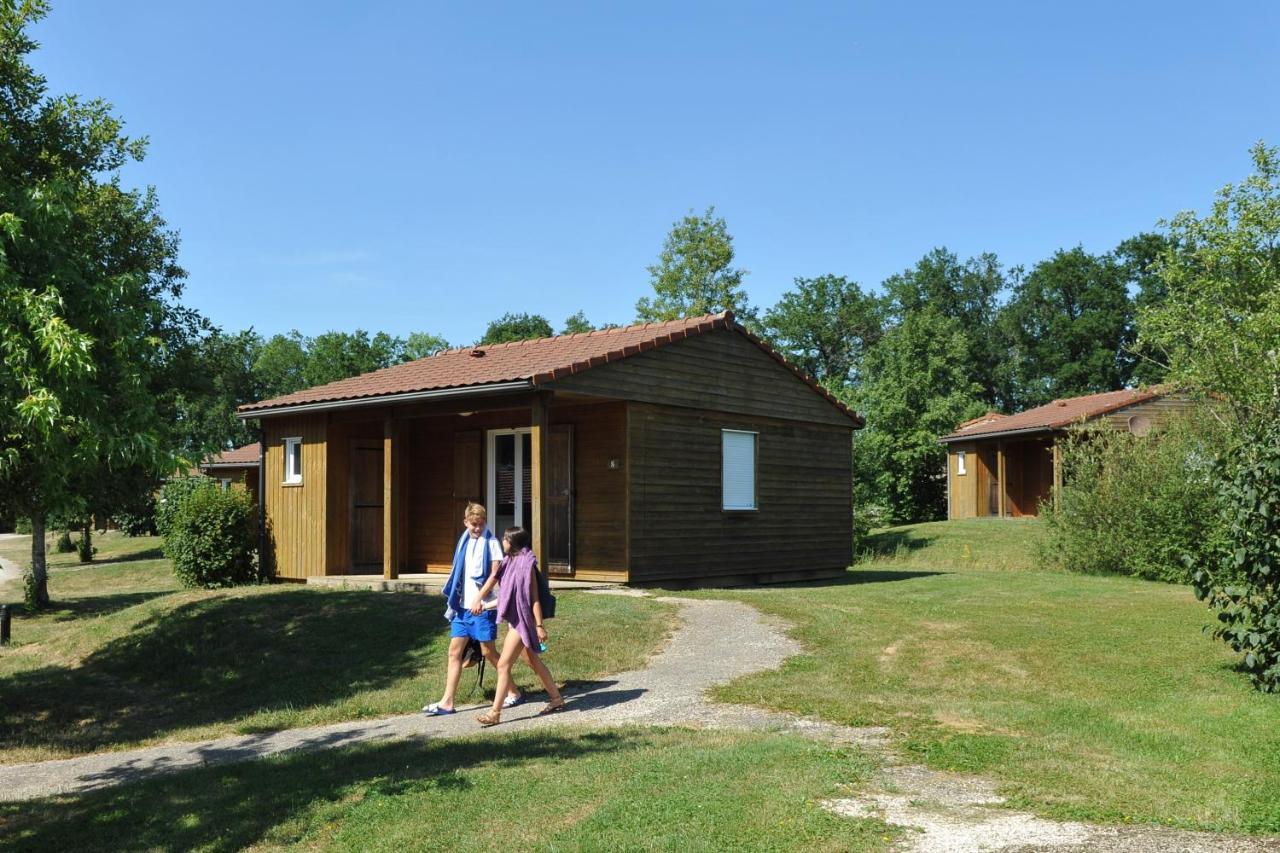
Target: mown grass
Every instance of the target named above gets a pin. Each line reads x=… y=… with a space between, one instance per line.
x=1087 y=697
x=127 y=657
x=994 y=544
x=620 y=789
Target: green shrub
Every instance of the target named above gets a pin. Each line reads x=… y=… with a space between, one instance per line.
x=64 y=545
x=1243 y=582
x=22 y=526
x=210 y=535
x=172 y=495
x=1137 y=506
x=85 y=547
x=138 y=519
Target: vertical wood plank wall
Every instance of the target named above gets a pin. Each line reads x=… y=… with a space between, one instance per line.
x=296 y=514
x=964 y=487
x=679 y=530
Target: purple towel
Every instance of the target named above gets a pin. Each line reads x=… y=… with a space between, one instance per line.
x=515 y=596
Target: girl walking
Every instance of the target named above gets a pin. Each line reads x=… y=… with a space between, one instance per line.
x=520 y=608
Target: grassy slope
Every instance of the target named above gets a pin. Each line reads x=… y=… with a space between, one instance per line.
x=1088 y=697
x=127 y=657
x=616 y=789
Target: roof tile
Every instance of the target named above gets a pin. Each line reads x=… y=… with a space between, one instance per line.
x=1055 y=415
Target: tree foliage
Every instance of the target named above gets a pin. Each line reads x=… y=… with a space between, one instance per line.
x=694 y=274
x=89 y=317
x=917 y=388
x=516 y=327
x=422 y=344
x=825 y=326
x=576 y=324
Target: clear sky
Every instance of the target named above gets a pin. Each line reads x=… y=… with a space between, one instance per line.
x=427 y=167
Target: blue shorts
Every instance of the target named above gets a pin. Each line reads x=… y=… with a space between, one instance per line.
x=483 y=627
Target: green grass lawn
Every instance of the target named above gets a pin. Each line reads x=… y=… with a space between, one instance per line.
x=127 y=657
x=1087 y=697
x=619 y=789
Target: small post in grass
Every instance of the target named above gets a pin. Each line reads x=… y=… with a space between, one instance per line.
x=4 y=624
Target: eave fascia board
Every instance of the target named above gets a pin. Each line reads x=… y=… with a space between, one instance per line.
x=389 y=399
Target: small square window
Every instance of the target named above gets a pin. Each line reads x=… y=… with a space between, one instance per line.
x=960 y=463
x=293 y=460
x=226 y=484
x=738 y=469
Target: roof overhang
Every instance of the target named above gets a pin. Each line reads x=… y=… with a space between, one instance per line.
x=252 y=463
x=391 y=399
x=952 y=439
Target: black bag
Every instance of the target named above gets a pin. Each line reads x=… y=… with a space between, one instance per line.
x=545 y=597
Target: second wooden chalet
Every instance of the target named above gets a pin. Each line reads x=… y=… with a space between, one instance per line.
x=677 y=451
x=1006 y=465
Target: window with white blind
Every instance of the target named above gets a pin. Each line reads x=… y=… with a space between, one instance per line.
x=293 y=460
x=738 y=475
x=961 y=468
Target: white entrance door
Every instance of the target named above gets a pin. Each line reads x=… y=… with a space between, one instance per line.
x=510 y=479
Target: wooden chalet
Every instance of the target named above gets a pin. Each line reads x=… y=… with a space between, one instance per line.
x=1004 y=466
x=235 y=469
x=677 y=451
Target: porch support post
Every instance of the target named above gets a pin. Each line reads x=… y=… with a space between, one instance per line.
x=538 y=449
x=1057 y=473
x=390 y=497
x=1004 y=487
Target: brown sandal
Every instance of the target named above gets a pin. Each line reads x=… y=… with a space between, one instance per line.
x=551 y=709
x=488 y=718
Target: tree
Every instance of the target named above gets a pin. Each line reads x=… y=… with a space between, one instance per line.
x=89 y=285
x=422 y=344
x=825 y=326
x=695 y=274
x=1140 y=257
x=969 y=293
x=281 y=365
x=576 y=324
x=1070 y=327
x=340 y=355
x=1217 y=326
x=516 y=327
x=916 y=390
x=217 y=376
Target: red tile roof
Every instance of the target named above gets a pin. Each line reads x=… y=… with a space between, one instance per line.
x=247 y=455
x=1055 y=415
x=535 y=361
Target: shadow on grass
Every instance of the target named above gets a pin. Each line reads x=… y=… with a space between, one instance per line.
x=146 y=554
x=217 y=660
x=890 y=542
x=231 y=807
x=101 y=605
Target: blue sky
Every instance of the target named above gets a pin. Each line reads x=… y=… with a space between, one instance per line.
x=428 y=167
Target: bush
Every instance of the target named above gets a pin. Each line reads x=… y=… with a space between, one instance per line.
x=210 y=535
x=139 y=519
x=22 y=526
x=85 y=547
x=171 y=497
x=1243 y=581
x=64 y=545
x=1137 y=506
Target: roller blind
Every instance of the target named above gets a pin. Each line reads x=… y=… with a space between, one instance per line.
x=739 y=474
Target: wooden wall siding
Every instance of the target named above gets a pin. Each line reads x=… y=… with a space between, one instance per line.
x=342 y=434
x=435 y=514
x=678 y=529
x=296 y=515
x=964 y=487
x=1159 y=410
x=1029 y=470
x=720 y=370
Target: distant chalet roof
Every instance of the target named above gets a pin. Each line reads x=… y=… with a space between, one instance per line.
x=239 y=458
x=521 y=364
x=1052 y=416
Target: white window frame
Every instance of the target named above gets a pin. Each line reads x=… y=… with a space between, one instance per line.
x=491 y=459
x=292 y=477
x=755 y=471
x=961 y=469
x=226 y=483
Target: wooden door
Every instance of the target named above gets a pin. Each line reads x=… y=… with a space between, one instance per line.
x=366 y=506
x=989 y=485
x=559 y=500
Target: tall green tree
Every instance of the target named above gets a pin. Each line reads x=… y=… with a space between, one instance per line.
x=917 y=388
x=1217 y=326
x=825 y=326
x=1070 y=327
x=970 y=293
x=1140 y=256
x=281 y=365
x=422 y=344
x=576 y=324
x=516 y=327
x=218 y=375
x=339 y=355
x=695 y=273
x=89 y=285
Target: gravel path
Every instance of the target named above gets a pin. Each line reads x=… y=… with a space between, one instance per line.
x=718 y=641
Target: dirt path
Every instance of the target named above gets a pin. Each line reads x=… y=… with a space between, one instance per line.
x=717 y=642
